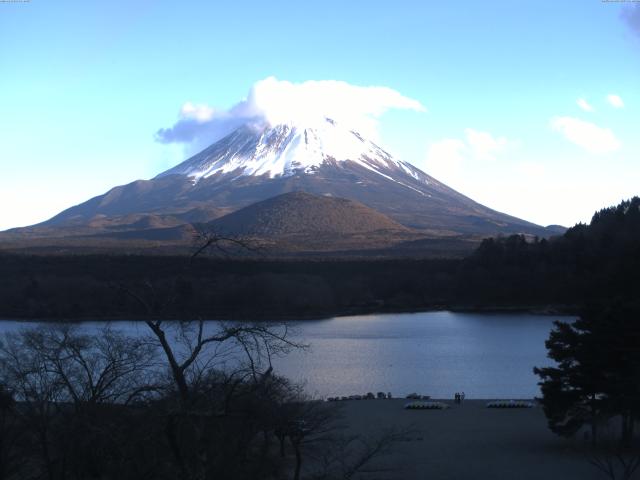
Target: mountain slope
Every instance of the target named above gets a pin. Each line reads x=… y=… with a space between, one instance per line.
x=259 y=161
x=299 y=222
x=357 y=199
x=300 y=213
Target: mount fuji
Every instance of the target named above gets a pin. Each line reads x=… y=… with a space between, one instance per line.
x=258 y=161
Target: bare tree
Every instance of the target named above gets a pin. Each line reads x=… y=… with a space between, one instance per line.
x=348 y=457
x=305 y=422
x=65 y=384
x=11 y=460
x=189 y=348
x=617 y=459
x=39 y=393
x=105 y=368
x=207 y=241
x=617 y=465
x=237 y=355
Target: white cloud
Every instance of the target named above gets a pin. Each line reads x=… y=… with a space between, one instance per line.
x=587 y=135
x=531 y=170
x=483 y=145
x=476 y=145
x=448 y=149
x=277 y=101
x=446 y=158
x=584 y=105
x=615 y=101
x=199 y=112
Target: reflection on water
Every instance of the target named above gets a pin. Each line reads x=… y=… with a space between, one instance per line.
x=433 y=353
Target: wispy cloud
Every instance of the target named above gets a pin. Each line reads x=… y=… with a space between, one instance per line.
x=584 y=105
x=615 y=101
x=587 y=135
x=445 y=158
x=531 y=169
x=277 y=101
x=199 y=112
x=483 y=145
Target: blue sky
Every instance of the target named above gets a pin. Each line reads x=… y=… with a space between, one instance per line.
x=85 y=86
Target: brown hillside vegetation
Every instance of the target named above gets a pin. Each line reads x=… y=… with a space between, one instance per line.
x=302 y=213
x=293 y=223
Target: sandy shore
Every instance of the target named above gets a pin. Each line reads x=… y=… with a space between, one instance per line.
x=470 y=441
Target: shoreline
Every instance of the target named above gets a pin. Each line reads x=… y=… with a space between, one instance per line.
x=542 y=310
x=469 y=441
x=448 y=401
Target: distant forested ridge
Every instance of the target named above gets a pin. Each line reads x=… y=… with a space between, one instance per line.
x=599 y=260
x=99 y=286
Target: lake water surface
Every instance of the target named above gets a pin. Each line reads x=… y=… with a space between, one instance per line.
x=432 y=353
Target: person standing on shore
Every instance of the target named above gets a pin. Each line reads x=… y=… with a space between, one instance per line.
x=456 y=398
x=462 y=397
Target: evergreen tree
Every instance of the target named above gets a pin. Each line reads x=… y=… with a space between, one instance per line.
x=597 y=375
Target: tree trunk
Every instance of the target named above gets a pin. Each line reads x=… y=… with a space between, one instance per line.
x=627 y=429
x=177 y=371
x=296 y=449
x=594 y=421
x=266 y=443
x=170 y=432
x=44 y=445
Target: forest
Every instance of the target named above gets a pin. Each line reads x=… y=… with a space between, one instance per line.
x=596 y=260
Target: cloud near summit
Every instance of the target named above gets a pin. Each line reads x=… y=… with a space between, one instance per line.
x=278 y=101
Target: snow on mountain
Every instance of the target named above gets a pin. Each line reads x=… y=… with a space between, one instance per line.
x=260 y=160
x=258 y=149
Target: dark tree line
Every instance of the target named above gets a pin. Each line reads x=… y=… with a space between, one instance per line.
x=599 y=261
x=87 y=286
x=596 y=380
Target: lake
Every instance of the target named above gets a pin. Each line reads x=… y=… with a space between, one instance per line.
x=432 y=353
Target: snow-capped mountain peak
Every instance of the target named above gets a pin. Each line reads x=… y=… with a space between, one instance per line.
x=257 y=149
x=261 y=160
